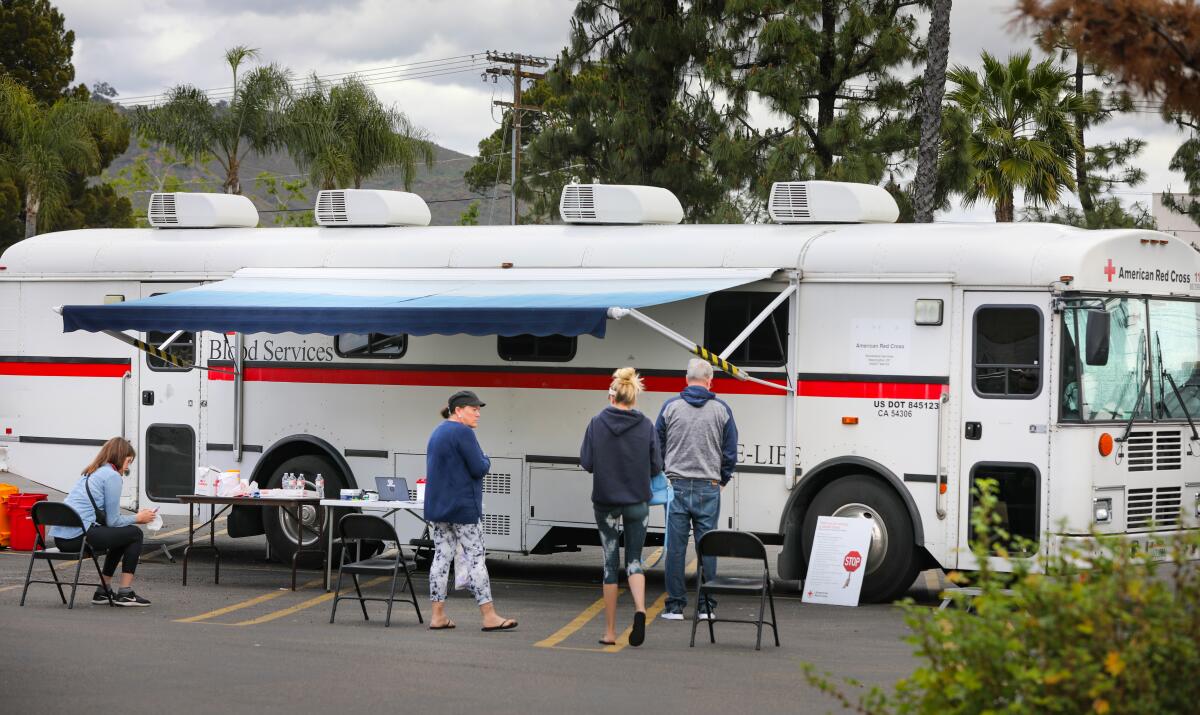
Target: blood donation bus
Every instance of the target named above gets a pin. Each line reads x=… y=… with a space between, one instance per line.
x=875 y=370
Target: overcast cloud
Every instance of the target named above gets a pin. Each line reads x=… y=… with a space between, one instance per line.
x=142 y=48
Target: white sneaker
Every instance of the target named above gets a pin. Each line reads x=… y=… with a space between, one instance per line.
x=704 y=616
x=671 y=616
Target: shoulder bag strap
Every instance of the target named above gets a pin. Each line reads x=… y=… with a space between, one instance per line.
x=101 y=515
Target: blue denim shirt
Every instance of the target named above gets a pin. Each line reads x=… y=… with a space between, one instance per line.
x=105 y=486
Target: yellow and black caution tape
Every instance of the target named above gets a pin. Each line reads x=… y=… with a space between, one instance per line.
x=150 y=349
x=160 y=354
x=717 y=361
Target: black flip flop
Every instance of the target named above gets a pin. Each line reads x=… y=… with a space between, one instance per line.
x=637 y=636
x=448 y=626
x=508 y=625
x=604 y=642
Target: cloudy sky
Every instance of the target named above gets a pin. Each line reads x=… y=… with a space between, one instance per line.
x=418 y=54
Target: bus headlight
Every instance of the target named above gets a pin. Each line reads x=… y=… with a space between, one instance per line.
x=1102 y=510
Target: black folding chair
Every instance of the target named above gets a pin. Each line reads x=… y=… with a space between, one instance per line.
x=734 y=545
x=356 y=529
x=45 y=514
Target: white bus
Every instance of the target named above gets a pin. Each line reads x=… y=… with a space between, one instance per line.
x=881 y=369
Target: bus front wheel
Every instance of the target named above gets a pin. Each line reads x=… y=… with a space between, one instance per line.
x=891 y=564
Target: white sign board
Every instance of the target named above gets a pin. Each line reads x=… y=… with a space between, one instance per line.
x=881 y=345
x=838 y=561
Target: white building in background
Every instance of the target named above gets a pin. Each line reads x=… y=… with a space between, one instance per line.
x=1173 y=223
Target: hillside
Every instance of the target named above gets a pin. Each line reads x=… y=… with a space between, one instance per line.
x=442 y=187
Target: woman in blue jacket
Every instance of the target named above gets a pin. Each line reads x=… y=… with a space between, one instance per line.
x=96 y=497
x=622 y=453
x=454 y=469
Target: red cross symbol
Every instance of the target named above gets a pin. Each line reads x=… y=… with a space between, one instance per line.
x=1109 y=270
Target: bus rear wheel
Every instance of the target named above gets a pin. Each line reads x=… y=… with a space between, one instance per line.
x=891 y=561
x=280 y=524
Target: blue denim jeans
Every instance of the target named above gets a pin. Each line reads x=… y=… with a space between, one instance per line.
x=696 y=506
x=609 y=520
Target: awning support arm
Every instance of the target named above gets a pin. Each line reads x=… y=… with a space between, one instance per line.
x=169 y=341
x=692 y=347
x=766 y=313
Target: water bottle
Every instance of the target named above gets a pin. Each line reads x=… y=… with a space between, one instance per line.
x=289 y=482
x=320 y=486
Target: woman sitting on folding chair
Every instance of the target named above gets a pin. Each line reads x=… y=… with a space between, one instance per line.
x=622 y=452
x=96 y=497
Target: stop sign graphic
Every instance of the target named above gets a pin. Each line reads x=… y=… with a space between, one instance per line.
x=852 y=561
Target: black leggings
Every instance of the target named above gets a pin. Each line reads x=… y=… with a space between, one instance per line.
x=123 y=544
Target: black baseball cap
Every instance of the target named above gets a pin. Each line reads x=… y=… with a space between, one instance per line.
x=464 y=398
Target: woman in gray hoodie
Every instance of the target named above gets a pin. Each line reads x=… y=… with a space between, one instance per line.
x=622 y=453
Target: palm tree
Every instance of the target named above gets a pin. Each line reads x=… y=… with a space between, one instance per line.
x=48 y=144
x=938 y=49
x=343 y=134
x=252 y=121
x=1019 y=132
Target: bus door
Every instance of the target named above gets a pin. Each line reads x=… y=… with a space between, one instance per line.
x=168 y=401
x=1004 y=431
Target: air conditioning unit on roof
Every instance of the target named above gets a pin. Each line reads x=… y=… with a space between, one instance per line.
x=618 y=204
x=186 y=210
x=830 y=202
x=367 y=207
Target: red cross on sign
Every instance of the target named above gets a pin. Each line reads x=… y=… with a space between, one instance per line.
x=1109 y=270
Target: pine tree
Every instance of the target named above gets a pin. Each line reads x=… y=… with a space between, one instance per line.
x=828 y=68
x=632 y=110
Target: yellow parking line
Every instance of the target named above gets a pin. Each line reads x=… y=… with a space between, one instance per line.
x=303 y=605
x=244 y=604
x=11 y=588
x=576 y=623
x=651 y=613
x=595 y=609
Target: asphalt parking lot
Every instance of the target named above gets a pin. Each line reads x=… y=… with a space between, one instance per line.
x=250 y=643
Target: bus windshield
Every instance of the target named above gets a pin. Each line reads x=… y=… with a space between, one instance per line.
x=1148 y=368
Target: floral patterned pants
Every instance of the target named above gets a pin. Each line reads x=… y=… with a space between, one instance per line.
x=446 y=538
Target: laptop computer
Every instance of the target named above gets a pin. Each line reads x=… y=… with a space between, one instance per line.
x=392 y=488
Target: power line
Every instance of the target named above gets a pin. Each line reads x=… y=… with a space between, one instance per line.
x=372 y=76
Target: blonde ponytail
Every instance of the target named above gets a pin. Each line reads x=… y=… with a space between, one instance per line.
x=626 y=386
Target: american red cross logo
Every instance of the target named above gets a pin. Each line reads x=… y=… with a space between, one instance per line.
x=1109 y=270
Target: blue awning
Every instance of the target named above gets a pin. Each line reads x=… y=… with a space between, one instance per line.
x=443 y=301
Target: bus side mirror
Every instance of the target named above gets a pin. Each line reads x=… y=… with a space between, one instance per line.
x=1099 y=325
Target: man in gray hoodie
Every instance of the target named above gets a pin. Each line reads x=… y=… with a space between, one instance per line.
x=699 y=444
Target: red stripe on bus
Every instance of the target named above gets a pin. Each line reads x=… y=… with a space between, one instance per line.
x=570 y=381
x=63 y=369
x=871 y=390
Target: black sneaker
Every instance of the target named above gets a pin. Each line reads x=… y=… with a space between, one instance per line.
x=100 y=597
x=130 y=599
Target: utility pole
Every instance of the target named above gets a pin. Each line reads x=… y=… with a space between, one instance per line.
x=516 y=61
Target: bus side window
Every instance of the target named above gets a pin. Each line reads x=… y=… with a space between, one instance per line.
x=537 y=348
x=170 y=461
x=1016 y=488
x=1008 y=351
x=370 y=345
x=727 y=313
x=184 y=348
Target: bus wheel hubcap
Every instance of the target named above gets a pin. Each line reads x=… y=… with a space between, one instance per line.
x=309 y=517
x=879 y=535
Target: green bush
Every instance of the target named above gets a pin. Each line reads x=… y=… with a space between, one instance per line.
x=1091 y=630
